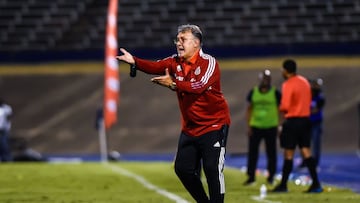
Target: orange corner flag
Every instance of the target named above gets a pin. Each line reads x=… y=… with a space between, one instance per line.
x=112 y=84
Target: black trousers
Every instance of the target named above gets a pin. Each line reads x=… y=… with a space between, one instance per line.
x=5 y=151
x=270 y=136
x=207 y=151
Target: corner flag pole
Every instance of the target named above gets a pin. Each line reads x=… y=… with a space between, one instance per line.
x=111 y=86
x=358 y=150
x=102 y=141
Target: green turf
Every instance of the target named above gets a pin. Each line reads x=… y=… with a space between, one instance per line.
x=96 y=182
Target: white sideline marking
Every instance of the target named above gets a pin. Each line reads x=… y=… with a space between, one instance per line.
x=259 y=199
x=145 y=183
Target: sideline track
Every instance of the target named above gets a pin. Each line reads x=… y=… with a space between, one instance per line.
x=96 y=67
x=336 y=169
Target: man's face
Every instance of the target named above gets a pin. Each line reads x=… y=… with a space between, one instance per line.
x=186 y=45
x=265 y=81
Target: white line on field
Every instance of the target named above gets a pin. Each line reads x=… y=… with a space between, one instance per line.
x=145 y=183
x=259 y=199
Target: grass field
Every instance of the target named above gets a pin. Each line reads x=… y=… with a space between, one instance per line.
x=132 y=182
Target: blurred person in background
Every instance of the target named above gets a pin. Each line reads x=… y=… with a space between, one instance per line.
x=5 y=126
x=296 y=128
x=195 y=78
x=262 y=117
x=316 y=117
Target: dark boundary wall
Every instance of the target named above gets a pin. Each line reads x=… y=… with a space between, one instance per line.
x=158 y=53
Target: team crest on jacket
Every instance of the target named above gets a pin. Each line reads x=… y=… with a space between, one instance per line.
x=178 y=68
x=197 y=71
x=180 y=78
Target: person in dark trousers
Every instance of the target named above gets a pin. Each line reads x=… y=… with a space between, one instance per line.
x=263 y=119
x=195 y=78
x=316 y=117
x=5 y=126
x=296 y=128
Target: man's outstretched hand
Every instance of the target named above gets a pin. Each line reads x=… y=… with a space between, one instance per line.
x=126 y=57
x=164 y=80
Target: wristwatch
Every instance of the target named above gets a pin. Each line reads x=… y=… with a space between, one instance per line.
x=172 y=86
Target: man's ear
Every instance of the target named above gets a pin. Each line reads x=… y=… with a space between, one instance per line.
x=197 y=43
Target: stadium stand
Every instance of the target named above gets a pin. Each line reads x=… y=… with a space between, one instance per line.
x=79 y=25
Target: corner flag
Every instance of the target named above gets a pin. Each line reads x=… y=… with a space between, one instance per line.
x=112 y=85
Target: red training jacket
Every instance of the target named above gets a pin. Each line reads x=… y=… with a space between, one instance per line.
x=202 y=104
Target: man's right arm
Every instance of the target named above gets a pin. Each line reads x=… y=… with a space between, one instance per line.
x=147 y=66
x=152 y=67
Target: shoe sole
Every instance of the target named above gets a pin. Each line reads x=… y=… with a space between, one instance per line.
x=319 y=190
x=279 y=191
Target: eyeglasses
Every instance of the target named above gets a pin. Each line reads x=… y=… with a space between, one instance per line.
x=181 y=40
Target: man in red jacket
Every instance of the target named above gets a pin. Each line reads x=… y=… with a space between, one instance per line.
x=195 y=77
